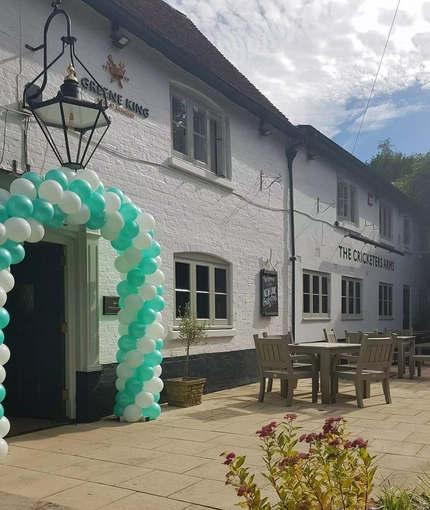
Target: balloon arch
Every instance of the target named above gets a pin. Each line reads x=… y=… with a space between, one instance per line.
x=34 y=203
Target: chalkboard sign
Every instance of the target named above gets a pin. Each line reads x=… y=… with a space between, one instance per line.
x=269 y=292
x=110 y=305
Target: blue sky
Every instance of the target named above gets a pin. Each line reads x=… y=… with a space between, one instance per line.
x=316 y=60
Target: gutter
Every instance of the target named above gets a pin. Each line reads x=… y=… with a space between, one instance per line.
x=367 y=240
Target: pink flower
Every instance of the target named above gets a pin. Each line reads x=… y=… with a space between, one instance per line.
x=302 y=437
x=291 y=416
x=241 y=491
x=347 y=445
x=334 y=442
x=360 y=442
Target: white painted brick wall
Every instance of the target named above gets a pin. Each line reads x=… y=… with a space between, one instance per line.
x=191 y=215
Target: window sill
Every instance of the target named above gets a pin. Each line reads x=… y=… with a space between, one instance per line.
x=316 y=319
x=348 y=224
x=352 y=318
x=211 y=333
x=199 y=173
x=386 y=318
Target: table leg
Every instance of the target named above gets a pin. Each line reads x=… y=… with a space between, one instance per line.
x=325 y=370
x=401 y=360
x=366 y=389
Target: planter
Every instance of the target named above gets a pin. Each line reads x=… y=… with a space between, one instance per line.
x=181 y=393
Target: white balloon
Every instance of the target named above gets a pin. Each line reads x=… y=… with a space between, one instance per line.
x=124 y=371
x=18 y=229
x=121 y=265
x=122 y=329
x=3 y=448
x=159 y=261
x=159 y=317
x=3 y=234
x=51 y=191
x=142 y=241
x=4 y=196
x=120 y=384
x=144 y=399
x=109 y=235
x=90 y=176
x=82 y=216
x=127 y=199
x=23 y=187
x=133 y=255
x=134 y=358
x=70 y=203
x=114 y=221
x=156 y=278
x=37 y=231
x=147 y=291
x=69 y=173
x=157 y=370
x=145 y=345
x=146 y=222
x=155 y=330
x=133 y=302
x=126 y=317
x=155 y=385
x=113 y=202
x=4 y=427
x=2 y=374
x=4 y=354
x=3 y=296
x=132 y=413
x=7 y=281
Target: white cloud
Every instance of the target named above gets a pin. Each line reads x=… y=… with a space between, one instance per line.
x=312 y=57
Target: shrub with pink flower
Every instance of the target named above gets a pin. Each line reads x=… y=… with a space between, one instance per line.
x=336 y=472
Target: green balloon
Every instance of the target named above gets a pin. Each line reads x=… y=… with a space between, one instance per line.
x=137 y=329
x=148 y=266
x=17 y=253
x=2 y=392
x=33 y=177
x=59 y=176
x=130 y=229
x=135 y=278
x=96 y=203
x=126 y=343
x=4 y=317
x=57 y=220
x=81 y=188
x=144 y=373
x=1 y=411
x=153 y=251
x=124 y=399
x=101 y=189
x=96 y=221
x=156 y=397
x=121 y=243
x=120 y=356
x=43 y=210
x=159 y=344
x=159 y=290
x=146 y=316
x=154 y=358
x=118 y=192
x=152 y=412
x=121 y=302
x=3 y=213
x=5 y=258
x=118 y=411
x=124 y=289
x=157 y=304
x=133 y=386
x=129 y=211
x=1 y=336
x=19 y=206
x=151 y=233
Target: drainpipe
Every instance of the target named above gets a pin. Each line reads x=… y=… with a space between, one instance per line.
x=291 y=153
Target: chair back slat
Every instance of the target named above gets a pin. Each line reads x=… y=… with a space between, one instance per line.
x=400 y=332
x=375 y=353
x=330 y=335
x=288 y=337
x=272 y=354
x=352 y=337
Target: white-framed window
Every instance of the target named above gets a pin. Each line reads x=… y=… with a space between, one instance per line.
x=199 y=133
x=407 y=233
x=316 y=295
x=385 y=301
x=347 y=202
x=386 y=221
x=351 y=296
x=425 y=240
x=204 y=282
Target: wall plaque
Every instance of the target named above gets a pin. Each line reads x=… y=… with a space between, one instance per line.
x=269 y=292
x=110 y=305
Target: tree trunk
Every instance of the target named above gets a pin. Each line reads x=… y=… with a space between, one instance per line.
x=186 y=363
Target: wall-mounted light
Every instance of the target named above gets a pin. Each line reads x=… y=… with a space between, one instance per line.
x=311 y=156
x=119 y=39
x=264 y=129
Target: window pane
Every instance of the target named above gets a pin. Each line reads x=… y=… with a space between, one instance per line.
x=351 y=305
x=182 y=275
x=358 y=306
x=350 y=288
x=324 y=284
x=215 y=141
x=316 y=304
x=344 y=305
x=343 y=288
x=200 y=138
x=380 y=308
x=220 y=280
x=220 y=306
x=306 y=303
x=324 y=304
x=380 y=292
x=179 y=119
x=357 y=289
x=200 y=149
x=315 y=284
x=385 y=308
x=202 y=278
x=202 y=306
x=199 y=121
x=352 y=193
x=182 y=298
x=306 y=283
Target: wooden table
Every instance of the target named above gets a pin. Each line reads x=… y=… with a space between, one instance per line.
x=402 y=342
x=325 y=351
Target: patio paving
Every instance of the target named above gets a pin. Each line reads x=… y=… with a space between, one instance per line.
x=174 y=463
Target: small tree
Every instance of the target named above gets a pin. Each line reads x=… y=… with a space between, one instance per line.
x=191 y=332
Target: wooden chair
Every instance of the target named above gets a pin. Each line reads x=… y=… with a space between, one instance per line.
x=416 y=356
x=330 y=335
x=374 y=363
x=352 y=337
x=400 y=332
x=276 y=362
x=372 y=334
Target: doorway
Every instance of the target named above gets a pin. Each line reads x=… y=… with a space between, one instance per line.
x=406 y=307
x=36 y=338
